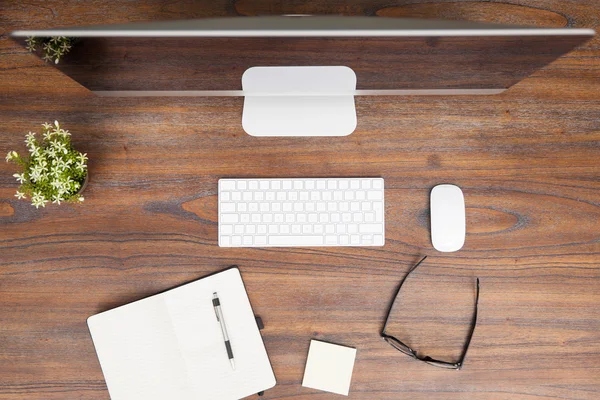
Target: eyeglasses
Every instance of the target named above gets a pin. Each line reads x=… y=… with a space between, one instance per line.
x=402 y=347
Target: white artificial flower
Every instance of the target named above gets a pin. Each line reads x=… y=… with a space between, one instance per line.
x=11 y=155
x=55 y=184
x=82 y=157
x=46 y=125
x=62 y=164
x=34 y=174
x=38 y=199
x=80 y=199
x=48 y=134
x=64 y=133
x=35 y=151
x=50 y=152
x=20 y=195
x=55 y=171
x=42 y=163
x=81 y=166
x=56 y=199
x=20 y=177
x=30 y=139
x=59 y=146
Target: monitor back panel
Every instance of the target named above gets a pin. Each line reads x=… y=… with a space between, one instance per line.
x=380 y=63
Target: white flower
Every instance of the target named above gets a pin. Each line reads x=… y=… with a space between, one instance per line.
x=64 y=133
x=11 y=155
x=30 y=139
x=59 y=146
x=20 y=195
x=82 y=157
x=50 y=152
x=56 y=199
x=46 y=125
x=38 y=199
x=81 y=166
x=35 y=151
x=56 y=184
x=34 y=174
x=80 y=199
x=55 y=171
x=20 y=177
x=62 y=164
x=48 y=134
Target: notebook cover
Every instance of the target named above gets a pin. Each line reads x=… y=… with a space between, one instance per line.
x=170 y=345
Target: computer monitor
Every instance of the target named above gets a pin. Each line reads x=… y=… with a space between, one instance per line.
x=299 y=74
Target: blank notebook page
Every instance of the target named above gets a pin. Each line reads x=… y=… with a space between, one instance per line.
x=171 y=346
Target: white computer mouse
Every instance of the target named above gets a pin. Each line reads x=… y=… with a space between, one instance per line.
x=448 y=223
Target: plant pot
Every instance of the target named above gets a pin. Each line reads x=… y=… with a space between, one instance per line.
x=84 y=184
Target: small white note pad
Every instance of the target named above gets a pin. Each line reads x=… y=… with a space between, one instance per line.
x=329 y=367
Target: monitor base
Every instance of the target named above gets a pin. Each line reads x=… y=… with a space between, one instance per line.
x=299 y=101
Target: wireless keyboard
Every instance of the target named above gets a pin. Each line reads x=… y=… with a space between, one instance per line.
x=301 y=212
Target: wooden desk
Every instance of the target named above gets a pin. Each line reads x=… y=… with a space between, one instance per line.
x=527 y=160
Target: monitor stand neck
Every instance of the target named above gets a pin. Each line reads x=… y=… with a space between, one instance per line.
x=299 y=101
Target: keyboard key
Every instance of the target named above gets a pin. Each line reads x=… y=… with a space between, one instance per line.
x=300 y=240
x=263 y=185
x=241 y=185
x=374 y=195
x=253 y=185
x=229 y=218
x=260 y=240
x=247 y=240
x=227 y=185
x=227 y=207
x=370 y=228
x=226 y=229
x=238 y=229
x=225 y=241
x=236 y=240
x=224 y=196
x=331 y=239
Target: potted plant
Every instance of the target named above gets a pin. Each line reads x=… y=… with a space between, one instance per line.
x=54 y=170
x=53 y=48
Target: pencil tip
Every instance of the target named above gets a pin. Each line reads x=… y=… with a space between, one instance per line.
x=232 y=363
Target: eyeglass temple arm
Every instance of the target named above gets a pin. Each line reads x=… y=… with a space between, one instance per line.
x=473 y=324
x=397 y=293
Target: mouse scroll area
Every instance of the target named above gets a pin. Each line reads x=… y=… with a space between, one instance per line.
x=448 y=222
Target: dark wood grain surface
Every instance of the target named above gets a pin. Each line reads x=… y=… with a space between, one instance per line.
x=527 y=160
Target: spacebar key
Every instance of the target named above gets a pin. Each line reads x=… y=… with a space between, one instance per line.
x=295 y=240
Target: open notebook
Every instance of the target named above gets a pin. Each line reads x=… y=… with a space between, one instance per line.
x=170 y=346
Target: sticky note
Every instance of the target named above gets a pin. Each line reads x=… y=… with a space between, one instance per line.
x=329 y=367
